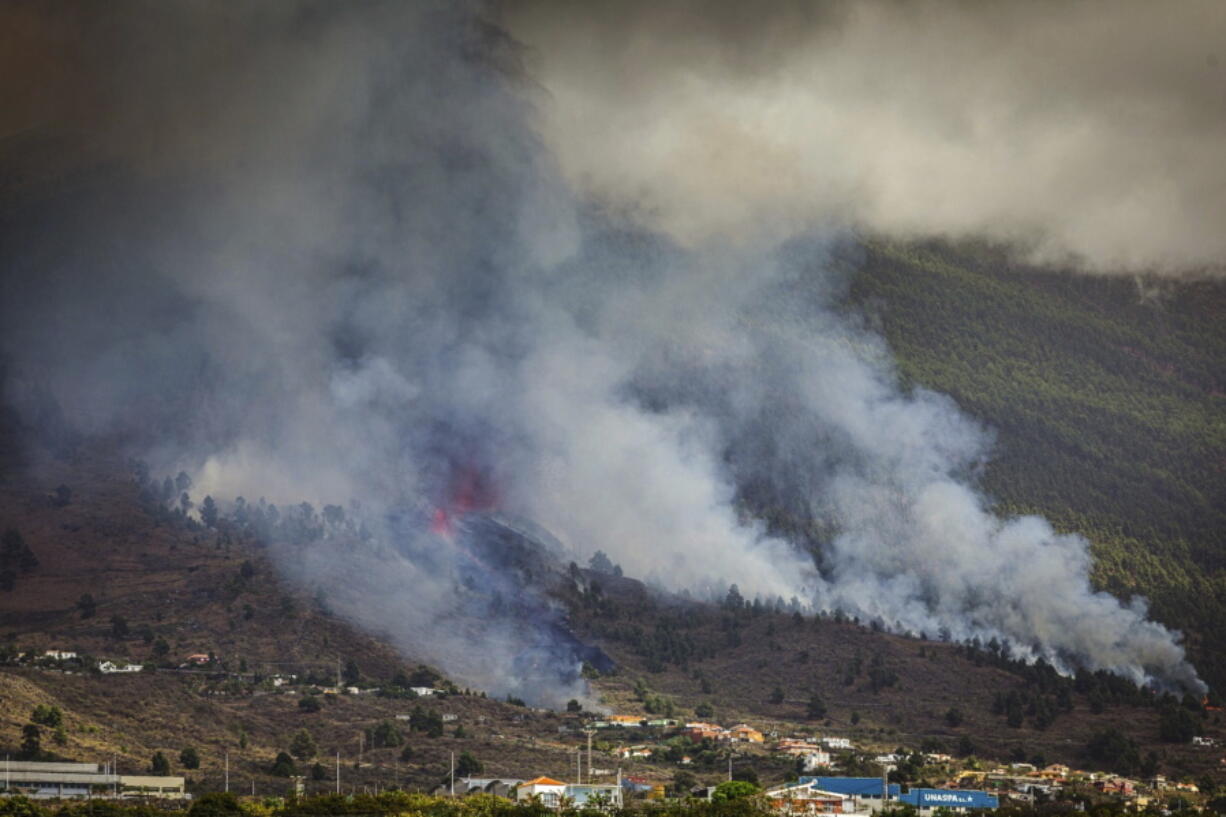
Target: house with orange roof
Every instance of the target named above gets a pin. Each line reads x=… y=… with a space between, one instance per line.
x=1056 y=771
x=698 y=731
x=554 y=794
x=744 y=733
x=549 y=791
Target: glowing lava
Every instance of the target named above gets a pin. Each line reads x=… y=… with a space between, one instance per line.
x=470 y=490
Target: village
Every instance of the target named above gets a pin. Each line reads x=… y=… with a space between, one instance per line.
x=959 y=784
x=622 y=758
x=828 y=769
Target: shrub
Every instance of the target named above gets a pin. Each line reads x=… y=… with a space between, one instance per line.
x=733 y=790
x=159 y=765
x=46 y=715
x=215 y=804
x=467 y=765
x=283 y=766
x=302 y=745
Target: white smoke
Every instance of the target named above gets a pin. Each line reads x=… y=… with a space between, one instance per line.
x=326 y=258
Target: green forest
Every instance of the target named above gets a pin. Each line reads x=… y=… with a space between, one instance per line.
x=1107 y=398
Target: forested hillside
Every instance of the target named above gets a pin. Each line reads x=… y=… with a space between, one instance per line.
x=1108 y=399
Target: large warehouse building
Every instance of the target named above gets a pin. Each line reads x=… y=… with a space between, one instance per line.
x=82 y=780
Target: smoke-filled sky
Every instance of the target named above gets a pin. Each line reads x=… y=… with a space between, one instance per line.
x=1090 y=130
x=365 y=251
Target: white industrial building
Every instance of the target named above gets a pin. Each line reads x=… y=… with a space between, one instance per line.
x=84 y=780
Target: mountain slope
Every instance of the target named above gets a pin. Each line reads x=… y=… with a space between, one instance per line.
x=197 y=592
x=1108 y=400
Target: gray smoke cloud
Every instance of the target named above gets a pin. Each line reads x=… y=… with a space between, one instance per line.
x=317 y=252
x=1085 y=131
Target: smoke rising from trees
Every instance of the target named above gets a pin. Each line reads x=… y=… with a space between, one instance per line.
x=309 y=251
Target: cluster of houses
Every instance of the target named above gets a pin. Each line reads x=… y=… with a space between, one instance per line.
x=695 y=730
x=964 y=791
x=55 y=658
x=553 y=794
x=851 y=796
x=105 y=666
x=1024 y=783
x=741 y=733
x=814 y=752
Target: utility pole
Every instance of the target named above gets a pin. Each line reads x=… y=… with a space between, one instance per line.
x=885 y=784
x=452 y=787
x=730 y=765
x=338 y=771
x=589 y=733
x=227 y=771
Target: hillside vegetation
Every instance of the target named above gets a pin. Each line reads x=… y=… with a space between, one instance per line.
x=1108 y=399
x=782 y=671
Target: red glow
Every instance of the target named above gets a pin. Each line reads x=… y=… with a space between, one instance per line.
x=470 y=490
x=440 y=523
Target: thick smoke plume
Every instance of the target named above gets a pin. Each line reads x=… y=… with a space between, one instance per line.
x=1089 y=130
x=318 y=251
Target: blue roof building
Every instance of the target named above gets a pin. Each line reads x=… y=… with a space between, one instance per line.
x=862 y=787
x=957 y=799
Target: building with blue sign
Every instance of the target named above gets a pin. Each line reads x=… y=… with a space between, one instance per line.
x=929 y=800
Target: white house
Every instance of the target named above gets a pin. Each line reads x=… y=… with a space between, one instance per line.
x=836 y=743
x=59 y=655
x=601 y=796
x=549 y=791
x=111 y=667
x=423 y=692
x=816 y=760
